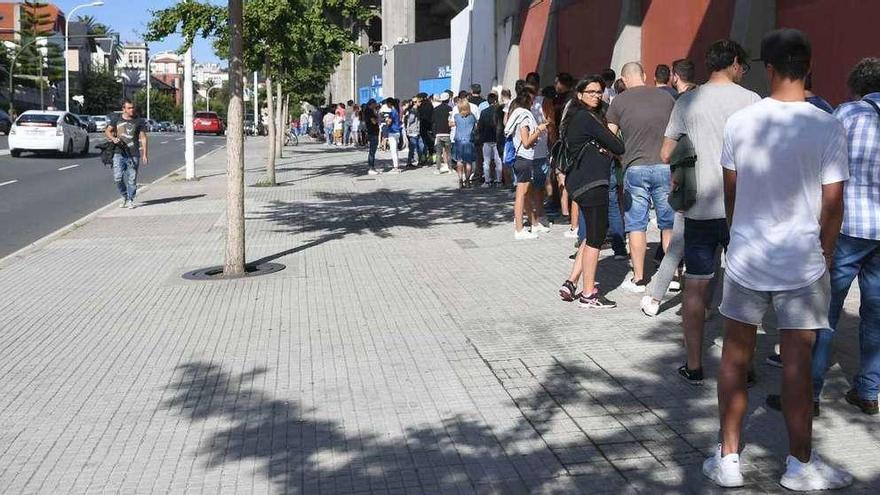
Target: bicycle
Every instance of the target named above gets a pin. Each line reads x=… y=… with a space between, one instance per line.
x=291 y=139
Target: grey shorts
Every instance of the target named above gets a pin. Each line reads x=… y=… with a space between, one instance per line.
x=798 y=309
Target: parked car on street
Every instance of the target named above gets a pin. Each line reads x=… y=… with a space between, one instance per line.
x=89 y=123
x=166 y=126
x=5 y=123
x=208 y=123
x=100 y=122
x=42 y=130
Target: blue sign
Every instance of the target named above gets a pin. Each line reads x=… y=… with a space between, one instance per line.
x=434 y=86
x=376 y=81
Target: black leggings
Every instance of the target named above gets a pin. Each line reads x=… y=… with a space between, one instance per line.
x=596 y=218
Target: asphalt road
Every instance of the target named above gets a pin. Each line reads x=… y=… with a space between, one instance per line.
x=39 y=194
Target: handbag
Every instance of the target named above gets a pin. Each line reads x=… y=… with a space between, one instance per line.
x=684 y=176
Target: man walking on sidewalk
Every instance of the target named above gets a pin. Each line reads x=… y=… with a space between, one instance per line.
x=785 y=164
x=129 y=135
x=701 y=114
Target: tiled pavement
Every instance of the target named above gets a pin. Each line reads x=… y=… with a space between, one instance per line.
x=410 y=346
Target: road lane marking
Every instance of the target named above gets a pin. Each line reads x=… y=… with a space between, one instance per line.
x=8 y=182
x=180 y=139
x=164 y=142
x=199 y=142
x=68 y=167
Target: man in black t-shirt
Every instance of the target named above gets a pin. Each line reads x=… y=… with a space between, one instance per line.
x=476 y=95
x=371 y=124
x=129 y=135
x=443 y=143
x=426 y=123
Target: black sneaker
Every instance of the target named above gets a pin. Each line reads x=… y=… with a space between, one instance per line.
x=774 y=360
x=694 y=377
x=568 y=292
x=596 y=301
x=774 y=402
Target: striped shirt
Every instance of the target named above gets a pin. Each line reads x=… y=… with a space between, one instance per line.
x=862 y=194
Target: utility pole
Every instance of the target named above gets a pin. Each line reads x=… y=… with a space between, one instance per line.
x=256 y=105
x=189 y=152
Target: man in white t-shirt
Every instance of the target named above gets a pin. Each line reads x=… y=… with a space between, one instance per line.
x=785 y=164
x=700 y=115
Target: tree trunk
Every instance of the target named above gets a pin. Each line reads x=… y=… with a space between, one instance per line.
x=234 y=264
x=279 y=123
x=270 y=124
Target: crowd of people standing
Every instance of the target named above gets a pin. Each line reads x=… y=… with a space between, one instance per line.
x=783 y=192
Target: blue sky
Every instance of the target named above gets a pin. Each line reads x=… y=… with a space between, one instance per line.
x=130 y=17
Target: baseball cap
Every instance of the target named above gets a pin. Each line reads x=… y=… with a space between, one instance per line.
x=784 y=46
x=444 y=96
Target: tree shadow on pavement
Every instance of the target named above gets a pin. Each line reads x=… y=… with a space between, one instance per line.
x=172 y=199
x=578 y=429
x=383 y=211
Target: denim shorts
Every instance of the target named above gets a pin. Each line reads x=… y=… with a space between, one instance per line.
x=644 y=185
x=797 y=309
x=523 y=170
x=702 y=238
x=540 y=169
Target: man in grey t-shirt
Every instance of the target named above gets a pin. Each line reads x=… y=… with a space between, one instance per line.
x=641 y=114
x=701 y=115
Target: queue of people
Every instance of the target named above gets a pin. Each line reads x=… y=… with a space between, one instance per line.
x=784 y=192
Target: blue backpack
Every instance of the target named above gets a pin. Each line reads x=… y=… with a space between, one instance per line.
x=510 y=150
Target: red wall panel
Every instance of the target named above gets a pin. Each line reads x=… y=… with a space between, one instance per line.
x=674 y=29
x=534 y=35
x=587 y=33
x=841 y=33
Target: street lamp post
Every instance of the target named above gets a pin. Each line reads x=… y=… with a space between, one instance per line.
x=149 y=77
x=67 y=48
x=208 y=98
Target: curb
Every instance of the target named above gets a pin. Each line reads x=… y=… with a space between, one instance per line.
x=89 y=217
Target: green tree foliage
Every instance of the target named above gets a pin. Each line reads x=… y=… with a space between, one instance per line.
x=38 y=62
x=102 y=92
x=162 y=106
x=300 y=41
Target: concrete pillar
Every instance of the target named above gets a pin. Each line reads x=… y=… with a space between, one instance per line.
x=628 y=47
x=398 y=21
x=751 y=19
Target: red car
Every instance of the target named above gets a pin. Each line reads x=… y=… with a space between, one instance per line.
x=207 y=122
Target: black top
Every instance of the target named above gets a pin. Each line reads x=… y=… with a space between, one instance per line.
x=486 y=127
x=426 y=116
x=370 y=121
x=582 y=126
x=128 y=131
x=476 y=99
x=441 y=119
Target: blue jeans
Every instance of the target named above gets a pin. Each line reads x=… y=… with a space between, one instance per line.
x=853 y=257
x=416 y=147
x=371 y=153
x=328 y=135
x=615 y=219
x=642 y=186
x=346 y=132
x=125 y=172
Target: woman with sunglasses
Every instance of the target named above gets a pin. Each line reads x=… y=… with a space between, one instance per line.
x=592 y=145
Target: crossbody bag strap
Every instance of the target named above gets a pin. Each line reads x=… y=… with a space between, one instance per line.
x=873 y=105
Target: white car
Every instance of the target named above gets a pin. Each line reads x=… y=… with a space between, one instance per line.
x=100 y=122
x=41 y=130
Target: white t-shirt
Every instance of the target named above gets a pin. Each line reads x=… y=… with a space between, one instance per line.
x=782 y=152
x=701 y=114
x=518 y=119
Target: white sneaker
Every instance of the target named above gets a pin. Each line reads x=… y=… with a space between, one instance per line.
x=649 y=306
x=540 y=228
x=394 y=171
x=444 y=169
x=485 y=185
x=674 y=286
x=372 y=171
x=570 y=234
x=634 y=287
x=123 y=203
x=723 y=471
x=524 y=235
x=814 y=475
x=437 y=171
x=130 y=205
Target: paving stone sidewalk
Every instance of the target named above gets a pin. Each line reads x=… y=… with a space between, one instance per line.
x=410 y=346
